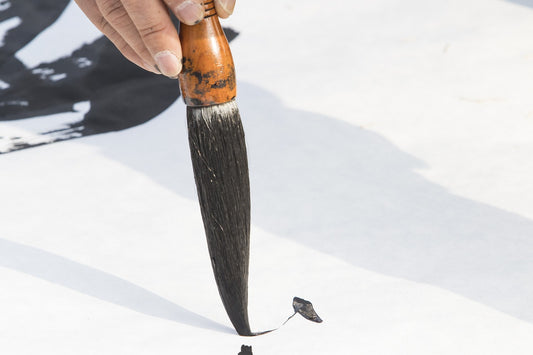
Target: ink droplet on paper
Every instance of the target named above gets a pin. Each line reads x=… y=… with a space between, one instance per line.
x=305 y=308
x=246 y=350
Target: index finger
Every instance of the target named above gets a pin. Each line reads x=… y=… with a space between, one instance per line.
x=158 y=33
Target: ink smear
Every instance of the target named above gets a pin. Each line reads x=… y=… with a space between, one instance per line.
x=245 y=350
x=305 y=308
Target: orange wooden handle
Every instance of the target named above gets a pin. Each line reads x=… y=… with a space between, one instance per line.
x=208 y=74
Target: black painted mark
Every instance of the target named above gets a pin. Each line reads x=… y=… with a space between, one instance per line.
x=246 y=350
x=35 y=16
x=305 y=308
x=219 y=84
x=121 y=95
x=301 y=306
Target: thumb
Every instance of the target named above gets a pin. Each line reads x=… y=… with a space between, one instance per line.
x=224 y=7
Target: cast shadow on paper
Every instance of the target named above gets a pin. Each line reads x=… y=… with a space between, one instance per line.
x=99 y=284
x=348 y=192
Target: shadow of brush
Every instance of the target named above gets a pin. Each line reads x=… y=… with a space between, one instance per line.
x=98 y=284
x=528 y=3
x=349 y=192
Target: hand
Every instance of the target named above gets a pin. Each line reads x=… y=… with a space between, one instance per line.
x=143 y=31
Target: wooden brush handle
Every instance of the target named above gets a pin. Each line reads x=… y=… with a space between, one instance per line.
x=208 y=74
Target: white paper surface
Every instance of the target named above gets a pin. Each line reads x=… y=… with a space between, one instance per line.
x=390 y=160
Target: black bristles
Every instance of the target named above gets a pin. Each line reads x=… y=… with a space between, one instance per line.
x=220 y=164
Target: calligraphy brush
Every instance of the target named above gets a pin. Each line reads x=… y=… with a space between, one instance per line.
x=218 y=152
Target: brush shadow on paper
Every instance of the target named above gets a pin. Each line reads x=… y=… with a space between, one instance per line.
x=528 y=3
x=98 y=284
x=349 y=192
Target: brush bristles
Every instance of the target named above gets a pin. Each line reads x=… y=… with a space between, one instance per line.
x=220 y=164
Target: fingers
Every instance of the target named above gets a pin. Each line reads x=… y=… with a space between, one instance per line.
x=143 y=31
x=157 y=32
x=189 y=12
x=117 y=25
x=90 y=8
x=224 y=7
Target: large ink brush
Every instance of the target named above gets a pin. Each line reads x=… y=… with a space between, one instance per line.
x=219 y=159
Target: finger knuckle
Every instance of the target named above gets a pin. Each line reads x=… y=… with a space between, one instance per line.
x=103 y=25
x=143 y=52
x=152 y=30
x=113 y=11
x=123 y=47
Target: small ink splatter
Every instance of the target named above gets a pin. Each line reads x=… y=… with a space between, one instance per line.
x=245 y=350
x=305 y=308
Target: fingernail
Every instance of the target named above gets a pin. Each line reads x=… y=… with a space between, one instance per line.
x=190 y=12
x=227 y=6
x=168 y=64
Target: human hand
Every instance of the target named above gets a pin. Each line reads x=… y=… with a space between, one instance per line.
x=143 y=31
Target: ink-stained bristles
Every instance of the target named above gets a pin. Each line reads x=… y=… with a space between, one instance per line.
x=220 y=164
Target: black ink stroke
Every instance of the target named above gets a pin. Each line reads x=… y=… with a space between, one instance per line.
x=121 y=95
